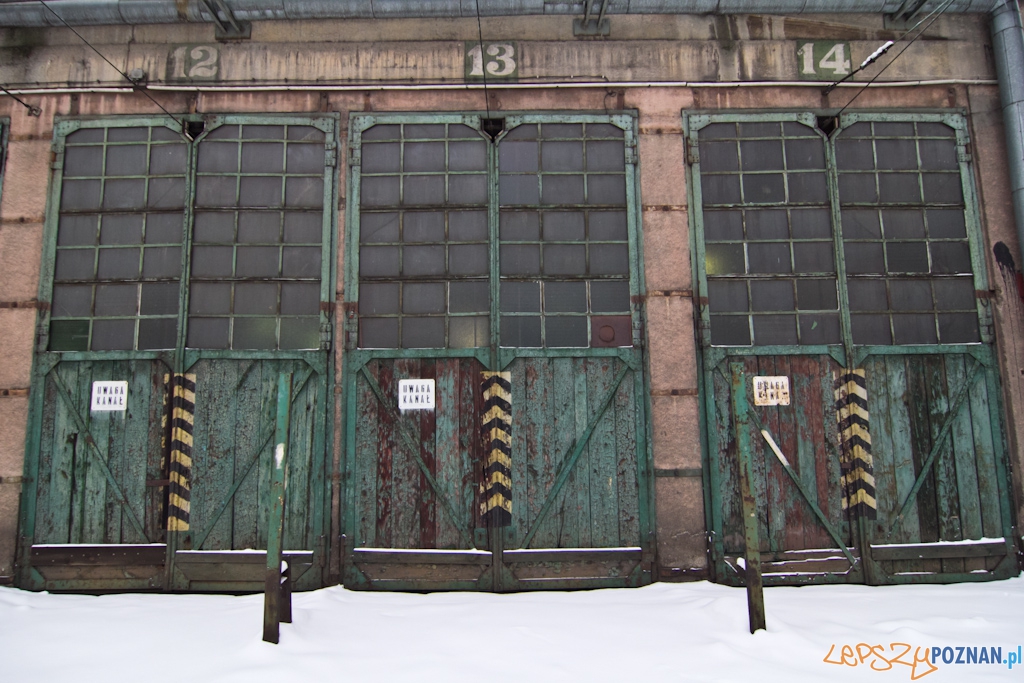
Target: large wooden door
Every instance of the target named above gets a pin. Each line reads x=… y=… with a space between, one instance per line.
x=498 y=259
x=844 y=256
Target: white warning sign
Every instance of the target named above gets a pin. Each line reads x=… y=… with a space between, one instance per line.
x=415 y=394
x=109 y=395
x=771 y=391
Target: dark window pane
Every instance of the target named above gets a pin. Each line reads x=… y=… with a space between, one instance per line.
x=524 y=132
x=125 y=160
x=723 y=259
x=254 y=333
x=914 y=328
x=252 y=132
x=260 y=191
x=83 y=161
x=86 y=135
x=942 y=188
x=818 y=295
x=768 y=224
x=218 y=157
x=910 y=295
x=422 y=190
x=520 y=297
x=950 y=257
x=870 y=329
x=854 y=155
x=903 y=224
x=422 y=333
x=300 y=333
x=858 y=188
x=423 y=297
x=954 y=294
x=606 y=189
x=468 y=259
x=720 y=189
x=723 y=225
x=764 y=188
x=775 y=330
x=608 y=225
x=603 y=130
x=77 y=231
x=262 y=157
x=167 y=159
x=938 y=154
x=69 y=335
x=163 y=228
x=813 y=257
x=716 y=131
x=304 y=192
x=166 y=193
x=726 y=296
x=520 y=331
x=113 y=335
x=384 y=157
x=303 y=227
x=934 y=130
x=517 y=156
x=159 y=333
x=379 y=191
x=759 y=130
x=378 y=261
x=867 y=295
x=121 y=229
x=255 y=227
x=209 y=298
x=611 y=331
x=565 y=297
x=207 y=333
x=769 y=258
x=216 y=191
x=256 y=298
x=606 y=156
x=860 y=224
x=383 y=132
x=808 y=188
x=424 y=130
x=420 y=226
x=373 y=227
x=71 y=301
x=896 y=154
x=946 y=223
x=564 y=225
x=423 y=156
x=561 y=130
x=805 y=154
x=467 y=189
x=899 y=188
x=563 y=156
x=609 y=297
x=159 y=298
x=718 y=156
x=519 y=225
x=257 y=262
x=300 y=262
x=378 y=299
x=820 y=329
x=566 y=259
x=863 y=258
x=467 y=156
x=305 y=158
x=893 y=129
x=212 y=261
x=520 y=259
x=761 y=155
x=117 y=300
x=730 y=330
x=608 y=259
x=772 y=295
x=469 y=297
x=565 y=189
x=958 y=328
x=124 y=194
x=563 y=331
x=80 y=195
x=75 y=264
x=907 y=257
x=118 y=264
x=378 y=333
x=467 y=226
x=468 y=333
x=161 y=262
x=214 y=227
x=423 y=261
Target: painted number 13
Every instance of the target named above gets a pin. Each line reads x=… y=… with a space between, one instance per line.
x=500 y=60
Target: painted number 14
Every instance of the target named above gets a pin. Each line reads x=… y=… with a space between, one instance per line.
x=836 y=59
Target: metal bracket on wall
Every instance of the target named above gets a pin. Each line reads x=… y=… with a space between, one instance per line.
x=589 y=25
x=227 y=27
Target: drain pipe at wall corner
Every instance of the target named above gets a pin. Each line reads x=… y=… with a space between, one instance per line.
x=1008 y=51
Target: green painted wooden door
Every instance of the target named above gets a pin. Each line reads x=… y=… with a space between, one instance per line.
x=196 y=264
x=844 y=255
x=502 y=246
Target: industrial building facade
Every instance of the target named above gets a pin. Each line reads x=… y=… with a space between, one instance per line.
x=521 y=262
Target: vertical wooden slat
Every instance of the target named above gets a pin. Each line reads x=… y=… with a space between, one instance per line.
x=365 y=461
x=426 y=498
x=298 y=531
x=627 y=453
x=542 y=445
x=447 y=449
x=964 y=460
x=80 y=490
x=604 y=503
x=985 y=460
x=940 y=388
x=580 y=500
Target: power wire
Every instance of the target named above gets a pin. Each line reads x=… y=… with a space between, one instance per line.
x=935 y=14
x=141 y=88
x=483 y=61
x=32 y=109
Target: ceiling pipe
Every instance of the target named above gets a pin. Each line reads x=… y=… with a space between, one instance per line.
x=1008 y=51
x=113 y=12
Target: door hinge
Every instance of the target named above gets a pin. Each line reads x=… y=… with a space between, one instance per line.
x=355 y=156
x=330 y=154
x=963 y=153
x=692 y=152
x=321 y=551
x=631 y=156
x=326 y=334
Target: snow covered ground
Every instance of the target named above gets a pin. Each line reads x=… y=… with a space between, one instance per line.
x=664 y=632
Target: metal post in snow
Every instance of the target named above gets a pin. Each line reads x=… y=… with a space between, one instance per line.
x=752 y=573
x=277 y=598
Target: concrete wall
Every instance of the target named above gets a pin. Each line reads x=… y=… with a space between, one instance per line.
x=727 y=63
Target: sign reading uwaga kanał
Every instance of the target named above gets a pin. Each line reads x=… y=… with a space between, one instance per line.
x=415 y=394
x=107 y=395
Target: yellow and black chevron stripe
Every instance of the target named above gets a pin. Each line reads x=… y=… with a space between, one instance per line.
x=183 y=410
x=496 y=507
x=851 y=394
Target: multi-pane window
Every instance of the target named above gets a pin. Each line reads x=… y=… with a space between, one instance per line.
x=428 y=236
x=252 y=196
x=771 y=246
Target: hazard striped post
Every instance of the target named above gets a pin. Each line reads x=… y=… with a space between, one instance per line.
x=183 y=411
x=858 y=472
x=496 y=507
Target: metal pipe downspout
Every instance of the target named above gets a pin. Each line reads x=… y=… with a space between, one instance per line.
x=1008 y=50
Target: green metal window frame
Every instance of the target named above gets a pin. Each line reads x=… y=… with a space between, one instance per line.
x=846 y=352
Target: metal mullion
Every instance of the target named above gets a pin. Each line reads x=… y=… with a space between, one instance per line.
x=184 y=290
x=494 y=250
x=838 y=244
